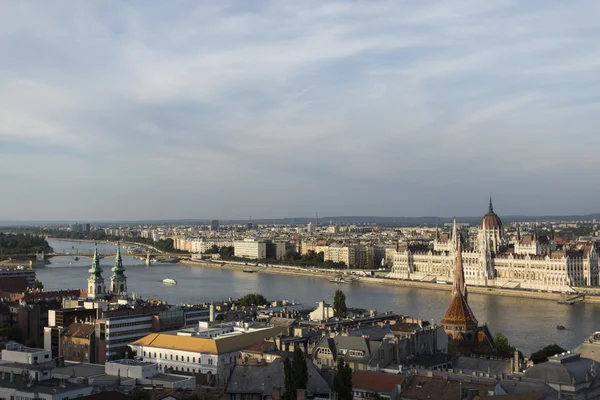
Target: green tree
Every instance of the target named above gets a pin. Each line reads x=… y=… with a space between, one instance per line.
x=542 y=355
x=38 y=285
x=124 y=352
x=342 y=382
x=253 y=299
x=296 y=374
x=289 y=393
x=503 y=347
x=339 y=304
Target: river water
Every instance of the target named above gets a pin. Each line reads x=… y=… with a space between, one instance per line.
x=529 y=324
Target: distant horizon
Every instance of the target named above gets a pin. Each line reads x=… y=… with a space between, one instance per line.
x=322 y=220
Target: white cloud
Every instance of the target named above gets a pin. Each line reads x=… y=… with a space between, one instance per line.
x=348 y=92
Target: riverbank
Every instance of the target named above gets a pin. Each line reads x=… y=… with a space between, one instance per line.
x=329 y=274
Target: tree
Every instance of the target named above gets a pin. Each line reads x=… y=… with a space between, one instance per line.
x=542 y=355
x=125 y=352
x=342 y=382
x=289 y=393
x=253 y=299
x=339 y=304
x=296 y=374
x=503 y=347
x=38 y=285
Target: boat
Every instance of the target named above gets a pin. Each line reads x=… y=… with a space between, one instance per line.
x=560 y=327
x=338 y=280
x=250 y=271
x=169 y=281
x=76 y=258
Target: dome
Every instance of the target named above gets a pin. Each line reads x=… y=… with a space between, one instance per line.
x=566 y=369
x=490 y=220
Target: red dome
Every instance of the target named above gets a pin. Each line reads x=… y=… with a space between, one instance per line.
x=490 y=220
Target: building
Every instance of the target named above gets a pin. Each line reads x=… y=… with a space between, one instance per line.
x=118 y=280
x=367 y=384
x=26 y=373
x=323 y=312
x=59 y=320
x=78 y=344
x=96 y=287
x=27 y=273
x=568 y=374
x=193 y=352
x=530 y=262
x=258 y=381
x=117 y=328
x=360 y=352
x=214 y=225
x=465 y=336
x=250 y=248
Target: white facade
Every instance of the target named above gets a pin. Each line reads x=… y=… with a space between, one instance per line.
x=202 y=245
x=532 y=265
x=323 y=312
x=250 y=248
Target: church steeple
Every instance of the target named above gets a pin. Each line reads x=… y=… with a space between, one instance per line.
x=535 y=233
x=460 y=285
x=491 y=207
x=96 y=281
x=118 y=280
x=518 y=233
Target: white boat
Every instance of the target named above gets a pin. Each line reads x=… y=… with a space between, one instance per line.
x=169 y=281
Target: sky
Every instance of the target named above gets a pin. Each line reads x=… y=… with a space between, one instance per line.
x=149 y=109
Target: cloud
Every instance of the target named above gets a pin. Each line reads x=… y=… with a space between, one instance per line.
x=300 y=101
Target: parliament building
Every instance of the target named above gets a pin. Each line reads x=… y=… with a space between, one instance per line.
x=528 y=262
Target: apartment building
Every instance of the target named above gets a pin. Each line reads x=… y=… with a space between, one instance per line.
x=250 y=248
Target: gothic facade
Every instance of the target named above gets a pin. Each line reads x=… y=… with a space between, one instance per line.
x=531 y=262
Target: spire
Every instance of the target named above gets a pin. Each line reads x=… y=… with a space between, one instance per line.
x=95 y=270
x=551 y=232
x=518 y=233
x=459 y=275
x=454 y=229
x=491 y=207
x=535 y=233
x=437 y=234
x=118 y=269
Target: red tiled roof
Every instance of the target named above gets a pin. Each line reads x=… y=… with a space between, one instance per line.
x=376 y=381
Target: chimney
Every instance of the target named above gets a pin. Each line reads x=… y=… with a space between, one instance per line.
x=212 y=312
x=301 y=394
x=276 y=393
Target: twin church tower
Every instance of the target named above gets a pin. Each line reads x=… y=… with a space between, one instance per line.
x=118 y=280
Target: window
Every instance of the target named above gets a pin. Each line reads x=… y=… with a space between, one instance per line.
x=145 y=354
x=159 y=355
x=176 y=358
x=171 y=356
x=194 y=359
x=154 y=355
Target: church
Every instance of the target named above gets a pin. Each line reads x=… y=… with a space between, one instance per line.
x=529 y=262
x=465 y=336
x=118 y=280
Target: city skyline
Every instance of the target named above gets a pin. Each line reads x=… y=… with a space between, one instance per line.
x=144 y=111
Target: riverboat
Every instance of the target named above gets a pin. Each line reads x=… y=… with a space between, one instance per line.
x=560 y=327
x=169 y=281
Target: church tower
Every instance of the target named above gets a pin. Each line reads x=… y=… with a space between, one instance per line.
x=96 y=286
x=118 y=280
x=464 y=334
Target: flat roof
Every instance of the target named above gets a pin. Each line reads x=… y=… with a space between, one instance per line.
x=126 y=361
x=83 y=370
x=47 y=386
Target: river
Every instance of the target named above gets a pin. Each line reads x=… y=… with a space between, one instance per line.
x=529 y=324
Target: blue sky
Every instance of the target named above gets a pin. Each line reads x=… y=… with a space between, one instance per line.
x=148 y=110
